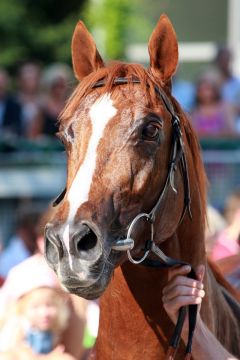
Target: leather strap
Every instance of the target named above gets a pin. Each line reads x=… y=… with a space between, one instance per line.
x=192 y=309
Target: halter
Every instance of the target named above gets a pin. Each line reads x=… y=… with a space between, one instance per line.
x=177 y=157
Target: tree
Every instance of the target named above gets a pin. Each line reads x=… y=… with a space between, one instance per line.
x=118 y=23
x=108 y=20
x=39 y=30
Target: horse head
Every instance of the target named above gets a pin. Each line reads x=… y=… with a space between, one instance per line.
x=117 y=128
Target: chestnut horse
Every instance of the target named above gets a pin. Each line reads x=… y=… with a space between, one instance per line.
x=118 y=132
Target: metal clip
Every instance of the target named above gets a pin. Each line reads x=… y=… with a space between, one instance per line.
x=135 y=220
x=123 y=245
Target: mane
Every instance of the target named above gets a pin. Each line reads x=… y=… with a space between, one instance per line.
x=132 y=72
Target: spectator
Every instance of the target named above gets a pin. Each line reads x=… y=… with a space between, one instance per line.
x=228 y=241
x=23 y=274
x=10 y=110
x=55 y=81
x=184 y=92
x=230 y=84
x=36 y=322
x=28 y=94
x=22 y=244
x=234 y=276
x=215 y=224
x=211 y=116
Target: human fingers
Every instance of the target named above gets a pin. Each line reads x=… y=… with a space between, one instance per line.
x=176 y=303
x=173 y=306
x=182 y=281
x=181 y=290
x=178 y=270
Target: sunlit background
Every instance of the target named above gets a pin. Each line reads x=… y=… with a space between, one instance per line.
x=32 y=164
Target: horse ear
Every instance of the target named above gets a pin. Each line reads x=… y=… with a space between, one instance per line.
x=163 y=50
x=85 y=56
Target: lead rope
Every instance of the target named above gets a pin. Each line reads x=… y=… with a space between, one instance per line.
x=192 y=309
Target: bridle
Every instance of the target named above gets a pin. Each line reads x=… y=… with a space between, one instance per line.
x=177 y=157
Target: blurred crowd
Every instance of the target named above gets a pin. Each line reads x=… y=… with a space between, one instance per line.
x=213 y=101
x=31 y=111
x=37 y=319
x=223 y=238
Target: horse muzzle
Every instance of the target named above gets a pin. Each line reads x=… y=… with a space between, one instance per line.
x=81 y=242
x=79 y=258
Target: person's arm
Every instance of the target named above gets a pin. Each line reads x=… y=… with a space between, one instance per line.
x=206 y=346
x=181 y=291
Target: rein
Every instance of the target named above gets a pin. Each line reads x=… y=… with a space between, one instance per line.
x=177 y=157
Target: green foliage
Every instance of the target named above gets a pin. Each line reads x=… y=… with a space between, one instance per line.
x=39 y=30
x=42 y=30
x=108 y=21
x=118 y=23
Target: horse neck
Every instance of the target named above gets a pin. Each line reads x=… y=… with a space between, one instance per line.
x=132 y=304
x=133 y=323
x=187 y=243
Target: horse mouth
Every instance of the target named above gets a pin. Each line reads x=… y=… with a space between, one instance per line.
x=92 y=286
x=91 y=292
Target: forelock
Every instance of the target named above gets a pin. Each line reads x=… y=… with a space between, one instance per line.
x=108 y=74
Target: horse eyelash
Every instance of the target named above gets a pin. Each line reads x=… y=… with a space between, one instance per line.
x=153 y=117
x=64 y=137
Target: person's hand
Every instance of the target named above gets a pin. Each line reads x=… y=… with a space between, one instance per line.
x=181 y=291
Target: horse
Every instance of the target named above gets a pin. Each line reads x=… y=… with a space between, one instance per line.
x=134 y=172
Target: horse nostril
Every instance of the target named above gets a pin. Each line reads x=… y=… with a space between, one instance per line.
x=53 y=247
x=87 y=242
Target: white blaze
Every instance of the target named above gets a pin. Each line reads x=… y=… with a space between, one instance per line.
x=100 y=113
x=66 y=242
x=66 y=236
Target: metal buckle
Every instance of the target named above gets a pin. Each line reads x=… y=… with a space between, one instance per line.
x=133 y=223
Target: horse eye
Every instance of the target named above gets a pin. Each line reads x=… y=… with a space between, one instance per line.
x=150 y=132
